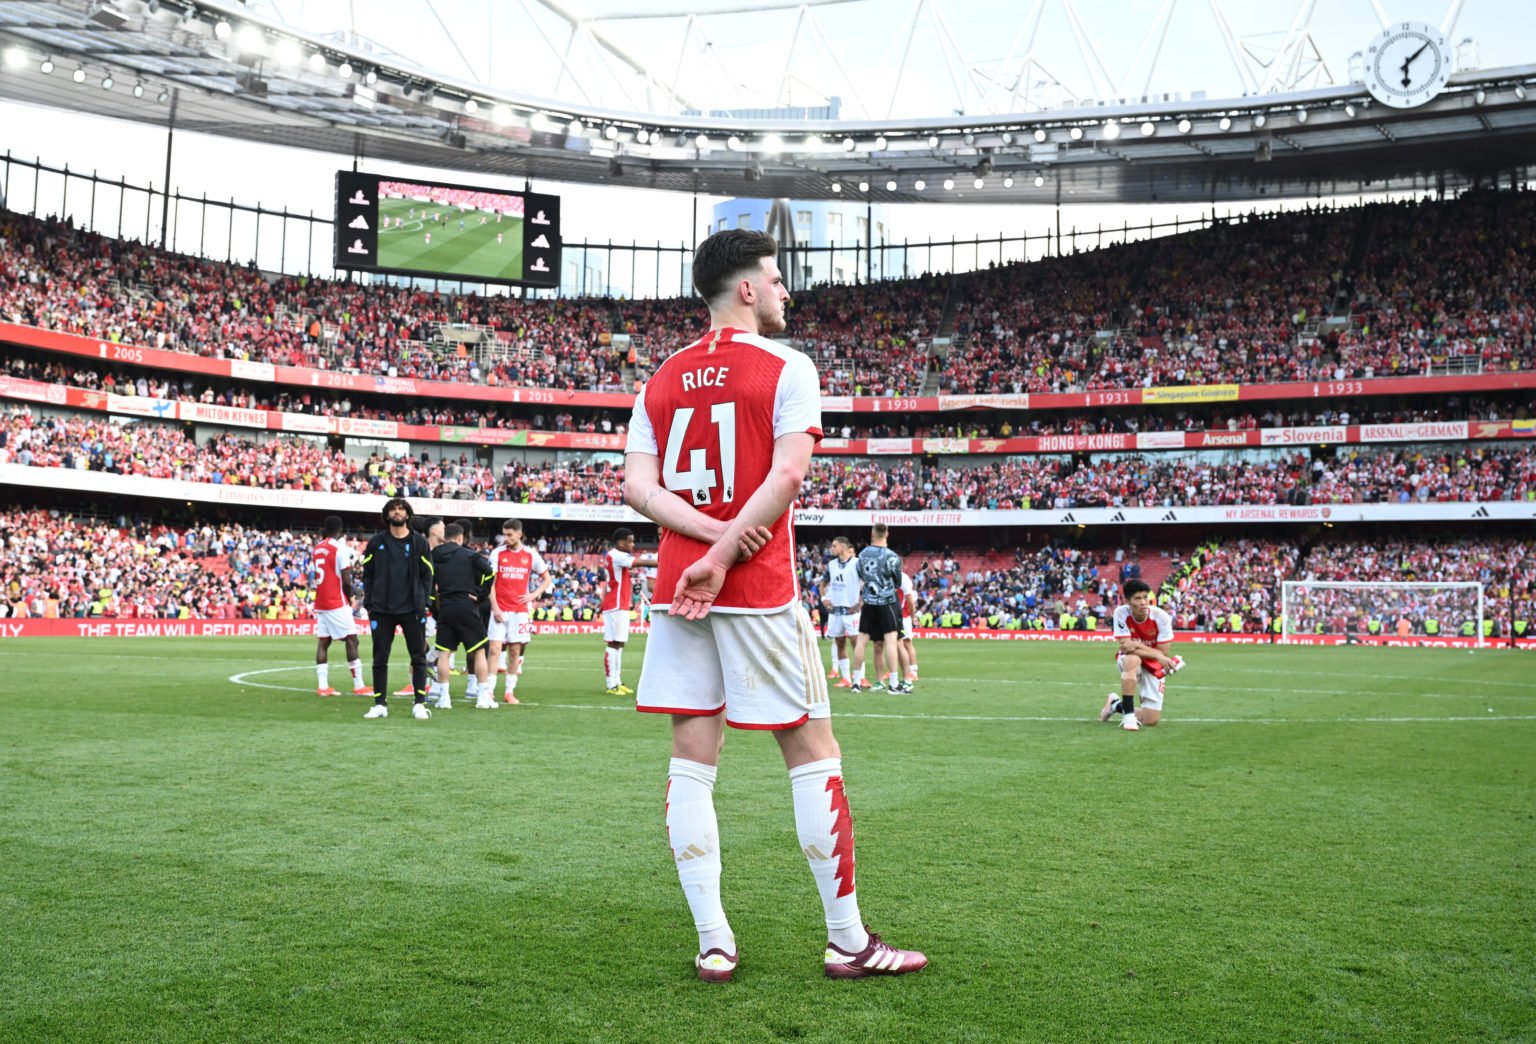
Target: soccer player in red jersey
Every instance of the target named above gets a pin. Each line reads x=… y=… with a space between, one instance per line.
x=619 y=563
x=333 y=560
x=1146 y=634
x=522 y=577
x=719 y=443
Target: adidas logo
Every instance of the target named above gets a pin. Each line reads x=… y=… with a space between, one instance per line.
x=691 y=852
x=812 y=852
x=1481 y=512
x=1170 y=517
x=1119 y=516
x=1069 y=517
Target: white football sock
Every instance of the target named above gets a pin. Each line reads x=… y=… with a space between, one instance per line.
x=895 y=679
x=842 y=668
x=858 y=676
x=323 y=674
x=618 y=666
x=356 y=667
x=474 y=686
x=511 y=682
x=825 y=826
x=694 y=836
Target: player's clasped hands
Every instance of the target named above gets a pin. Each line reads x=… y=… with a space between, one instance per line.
x=700 y=583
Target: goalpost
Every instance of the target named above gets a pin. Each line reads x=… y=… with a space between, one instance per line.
x=1345 y=607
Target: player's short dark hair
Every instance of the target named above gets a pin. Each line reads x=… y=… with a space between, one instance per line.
x=724 y=256
x=1135 y=587
x=622 y=533
x=392 y=503
x=513 y=523
x=452 y=531
x=331 y=527
x=842 y=540
x=466 y=527
x=880 y=529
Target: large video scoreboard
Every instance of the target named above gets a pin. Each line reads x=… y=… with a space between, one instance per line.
x=424 y=228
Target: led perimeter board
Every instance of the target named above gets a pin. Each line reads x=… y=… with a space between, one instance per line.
x=424 y=228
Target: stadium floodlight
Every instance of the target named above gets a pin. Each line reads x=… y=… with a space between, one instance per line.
x=1007 y=138
x=1301 y=115
x=881 y=143
x=344 y=70
x=574 y=128
x=949 y=184
x=890 y=186
x=138 y=90
x=980 y=183
x=919 y=184
x=221 y=29
x=250 y=40
x=611 y=132
x=1040 y=134
x=372 y=77
x=1480 y=97
x=849 y=144
x=163 y=97
x=1008 y=182
x=317 y=62
x=15 y=57
x=1325 y=605
x=1349 y=110
x=1185 y=126
x=969 y=138
x=771 y=144
x=933 y=141
x=733 y=143
x=643 y=136
x=702 y=141
x=1260 y=119
x=1039 y=180
x=1111 y=130
x=837 y=186
x=107 y=82
x=471 y=106
x=1076 y=133
x=78 y=75
x=47 y=66
x=1519 y=92
x=1148 y=128
x=863 y=186
x=288 y=53
x=501 y=115
x=1226 y=123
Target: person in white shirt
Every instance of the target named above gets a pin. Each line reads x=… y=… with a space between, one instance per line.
x=842 y=599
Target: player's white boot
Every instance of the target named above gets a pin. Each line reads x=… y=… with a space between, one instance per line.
x=1111 y=707
x=484 y=702
x=378 y=710
x=444 y=701
x=420 y=712
x=1130 y=724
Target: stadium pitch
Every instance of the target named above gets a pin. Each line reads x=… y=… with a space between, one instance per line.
x=1315 y=844
x=471 y=252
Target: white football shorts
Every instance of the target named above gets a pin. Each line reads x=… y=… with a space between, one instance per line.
x=842 y=625
x=1149 y=689
x=615 y=625
x=762 y=670
x=334 y=623
x=906 y=627
x=512 y=628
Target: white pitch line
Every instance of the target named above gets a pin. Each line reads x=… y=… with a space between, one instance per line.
x=240 y=679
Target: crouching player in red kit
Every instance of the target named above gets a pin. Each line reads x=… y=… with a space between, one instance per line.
x=1145 y=633
x=719 y=444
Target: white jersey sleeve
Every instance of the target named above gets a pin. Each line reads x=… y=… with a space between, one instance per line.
x=797 y=402
x=1120 y=626
x=345 y=557
x=1164 y=624
x=621 y=559
x=537 y=565
x=642 y=437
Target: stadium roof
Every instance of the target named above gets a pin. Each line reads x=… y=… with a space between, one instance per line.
x=219 y=68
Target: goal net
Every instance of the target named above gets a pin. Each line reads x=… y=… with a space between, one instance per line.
x=1377 y=611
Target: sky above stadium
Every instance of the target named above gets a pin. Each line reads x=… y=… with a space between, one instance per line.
x=499 y=49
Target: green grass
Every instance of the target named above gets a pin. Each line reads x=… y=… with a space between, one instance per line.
x=471 y=252
x=1317 y=844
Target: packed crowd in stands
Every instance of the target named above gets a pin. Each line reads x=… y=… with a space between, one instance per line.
x=1450 y=472
x=1238 y=301
x=59 y=565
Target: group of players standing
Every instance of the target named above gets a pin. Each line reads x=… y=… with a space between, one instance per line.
x=430 y=584
x=869 y=588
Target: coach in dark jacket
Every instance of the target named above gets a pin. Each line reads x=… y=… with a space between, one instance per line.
x=397 y=583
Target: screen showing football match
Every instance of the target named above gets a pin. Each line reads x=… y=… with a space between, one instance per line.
x=424 y=228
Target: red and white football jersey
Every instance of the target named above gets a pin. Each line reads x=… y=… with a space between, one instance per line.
x=516 y=573
x=1154 y=630
x=618 y=580
x=711 y=414
x=330 y=557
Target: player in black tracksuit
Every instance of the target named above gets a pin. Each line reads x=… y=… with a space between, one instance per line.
x=463 y=581
x=397 y=583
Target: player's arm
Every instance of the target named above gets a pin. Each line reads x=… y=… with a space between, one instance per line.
x=644 y=492
x=546 y=581
x=485 y=576
x=701 y=582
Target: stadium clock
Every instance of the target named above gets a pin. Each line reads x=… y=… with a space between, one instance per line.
x=1407 y=64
